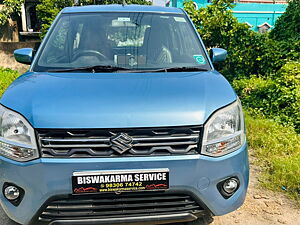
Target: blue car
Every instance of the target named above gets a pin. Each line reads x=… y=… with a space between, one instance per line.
x=121 y=118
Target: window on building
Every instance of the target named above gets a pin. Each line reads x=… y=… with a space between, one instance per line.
x=264 y=28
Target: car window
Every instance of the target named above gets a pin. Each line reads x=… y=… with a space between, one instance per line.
x=57 y=43
x=132 y=40
x=188 y=46
x=126 y=33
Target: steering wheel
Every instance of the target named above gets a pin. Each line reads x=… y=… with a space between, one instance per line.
x=99 y=55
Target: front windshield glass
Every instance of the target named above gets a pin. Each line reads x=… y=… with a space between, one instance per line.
x=135 y=41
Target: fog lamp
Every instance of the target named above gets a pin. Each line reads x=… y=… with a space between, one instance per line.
x=11 y=193
x=230 y=185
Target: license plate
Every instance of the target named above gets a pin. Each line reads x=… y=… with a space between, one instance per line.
x=120 y=181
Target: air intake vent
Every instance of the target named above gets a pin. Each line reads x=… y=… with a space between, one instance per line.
x=123 y=205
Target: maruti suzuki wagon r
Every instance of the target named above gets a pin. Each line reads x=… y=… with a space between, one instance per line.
x=121 y=118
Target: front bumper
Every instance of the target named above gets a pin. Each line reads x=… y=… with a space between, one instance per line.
x=183 y=217
x=44 y=179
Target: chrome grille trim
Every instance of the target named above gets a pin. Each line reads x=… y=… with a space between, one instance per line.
x=97 y=142
x=107 y=139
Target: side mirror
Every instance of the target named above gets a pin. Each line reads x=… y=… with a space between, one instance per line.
x=218 y=55
x=24 y=55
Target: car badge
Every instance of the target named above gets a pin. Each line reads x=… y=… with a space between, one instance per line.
x=121 y=142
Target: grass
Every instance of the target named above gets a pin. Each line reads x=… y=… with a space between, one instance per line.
x=6 y=77
x=276 y=149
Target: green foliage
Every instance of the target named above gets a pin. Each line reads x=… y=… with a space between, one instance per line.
x=277 y=96
x=107 y=2
x=288 y=25
x=277 y=150
x=256 y=64
x=6 y=77
x=11 y=7
x=47 y=10
x=248 y=52
x=215 y=23
x=255 y=93
x=138 y=2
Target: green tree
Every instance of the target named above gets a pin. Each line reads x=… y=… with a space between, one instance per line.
x=288 y=25
x=259 y=67
x=11 y=8
x=215 y=23
x=47 y=10
x=248 y=52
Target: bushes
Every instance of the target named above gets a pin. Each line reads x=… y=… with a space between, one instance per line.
x=215 y=23
x=288 y=94
x=288 y=25
x=250 y=53
x=277 y=96
x=255 y=93
x=6 y=77
x=277 y=150
x=256 y=65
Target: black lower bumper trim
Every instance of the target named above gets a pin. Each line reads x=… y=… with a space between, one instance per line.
x=157 y=219
x=137 y=216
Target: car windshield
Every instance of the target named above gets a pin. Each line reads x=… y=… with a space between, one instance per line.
x=133 y=41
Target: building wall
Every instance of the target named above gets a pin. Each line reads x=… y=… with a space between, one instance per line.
x=264 y=1
x=255 y=14
x=244 y=1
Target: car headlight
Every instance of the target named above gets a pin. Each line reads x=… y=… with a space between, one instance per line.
x=224 y=132
x=17 y=139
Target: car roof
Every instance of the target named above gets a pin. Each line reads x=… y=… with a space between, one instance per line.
x=121 y=8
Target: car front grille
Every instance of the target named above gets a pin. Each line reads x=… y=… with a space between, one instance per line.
x=119 y=142
x=117 y=206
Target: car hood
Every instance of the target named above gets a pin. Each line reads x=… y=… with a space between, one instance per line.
x=118 y=100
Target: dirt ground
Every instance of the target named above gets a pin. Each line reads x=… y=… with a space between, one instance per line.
x=262 y=207
x=8 y=61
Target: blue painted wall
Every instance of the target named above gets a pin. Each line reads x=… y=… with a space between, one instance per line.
x=252 y=13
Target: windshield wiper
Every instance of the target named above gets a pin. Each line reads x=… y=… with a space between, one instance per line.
x=169 y=69
x=107 y=68
x=184 y=68
x=92 y=69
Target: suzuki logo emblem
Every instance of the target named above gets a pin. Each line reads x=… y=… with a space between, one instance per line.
x=121 y=142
